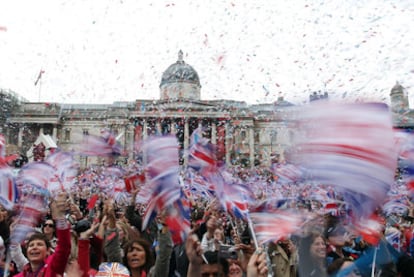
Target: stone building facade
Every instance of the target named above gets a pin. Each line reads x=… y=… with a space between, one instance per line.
x=246 y=135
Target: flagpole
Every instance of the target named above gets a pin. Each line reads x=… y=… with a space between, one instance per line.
x=373 y=262
x=40 y=88
x=39 y=81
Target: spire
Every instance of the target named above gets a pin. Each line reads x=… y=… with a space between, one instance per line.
x=180 y=56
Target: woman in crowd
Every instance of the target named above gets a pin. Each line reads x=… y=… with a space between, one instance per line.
x=137 y=255
x=48 y=228
x=312 y=256
x=208 y=242
x=41 y=263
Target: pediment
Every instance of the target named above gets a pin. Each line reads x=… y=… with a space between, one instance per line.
x=185 y=105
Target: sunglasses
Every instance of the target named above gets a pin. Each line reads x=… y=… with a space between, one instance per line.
x=49 y=225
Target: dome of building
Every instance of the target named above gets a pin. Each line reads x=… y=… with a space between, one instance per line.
x=180 y=81
x=180 y=72
x=397 y=89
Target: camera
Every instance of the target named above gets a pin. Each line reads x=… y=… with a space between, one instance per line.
x=245 y=240
x=227 y=252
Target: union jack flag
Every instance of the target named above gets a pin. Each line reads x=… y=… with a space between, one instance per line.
x=201 y=155
x=163 y=172
x=274 y=226
x=112 y=270
x=350 y=146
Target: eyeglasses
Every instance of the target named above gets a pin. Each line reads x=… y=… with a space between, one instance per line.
x=49 y=225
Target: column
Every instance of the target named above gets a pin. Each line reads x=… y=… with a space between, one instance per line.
x=228 y=144
x=144 y=130
x=54 y=133
x=213 y=132
x=172 y=128
x=129 y=140
x=158 y=127
x=186 y=139
x=20 y=137
x=251 y=145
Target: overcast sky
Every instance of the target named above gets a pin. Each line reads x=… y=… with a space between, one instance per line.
x=100 y=51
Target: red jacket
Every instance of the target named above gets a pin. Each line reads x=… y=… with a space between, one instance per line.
x=84 y=254
x=54 y=264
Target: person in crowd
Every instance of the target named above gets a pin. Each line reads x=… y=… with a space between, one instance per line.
x=405 y=266
x=208 y=242
x=41 y=262
x=135 y=220
x=83 y=262
x=312 y=256
x=4 y=223
x=4 y=236
x=337 y=237
x=137 y=254
x=48 y=228
x=126 y=233
x=345 y=266
x=235 y=268
x=283 y=257
x=203 y=264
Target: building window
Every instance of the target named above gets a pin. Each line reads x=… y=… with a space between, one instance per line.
x=67 y=135
x=85 y=132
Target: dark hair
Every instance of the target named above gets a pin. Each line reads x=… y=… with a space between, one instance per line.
x=212 y=257
x=337 y=230
x=336 y=265
x=39 y=236
x=405 y=265
x=149 y=257
x=307 y=262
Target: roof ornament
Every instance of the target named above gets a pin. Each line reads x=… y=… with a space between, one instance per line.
x=180 y=57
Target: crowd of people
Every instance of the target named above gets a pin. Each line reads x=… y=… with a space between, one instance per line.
x=89 y=233
x=350 y=213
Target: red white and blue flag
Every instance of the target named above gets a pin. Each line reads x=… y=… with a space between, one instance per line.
x=105 y=145
x=276 y=225
x=201 y=155
x=351 y=147
x=108 y=269
x=163 y=172
x=8 y=190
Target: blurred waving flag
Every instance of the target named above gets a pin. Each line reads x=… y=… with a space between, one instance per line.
x=163 y=172
x=371 y=229
x=105 y=145
x=178 y=219
x=201 y=155
x=66 y=170
x=36 y=175
x=235 y=198
x=276 y=225
x=350 y=146
x=30 y=211
x=8 y=190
